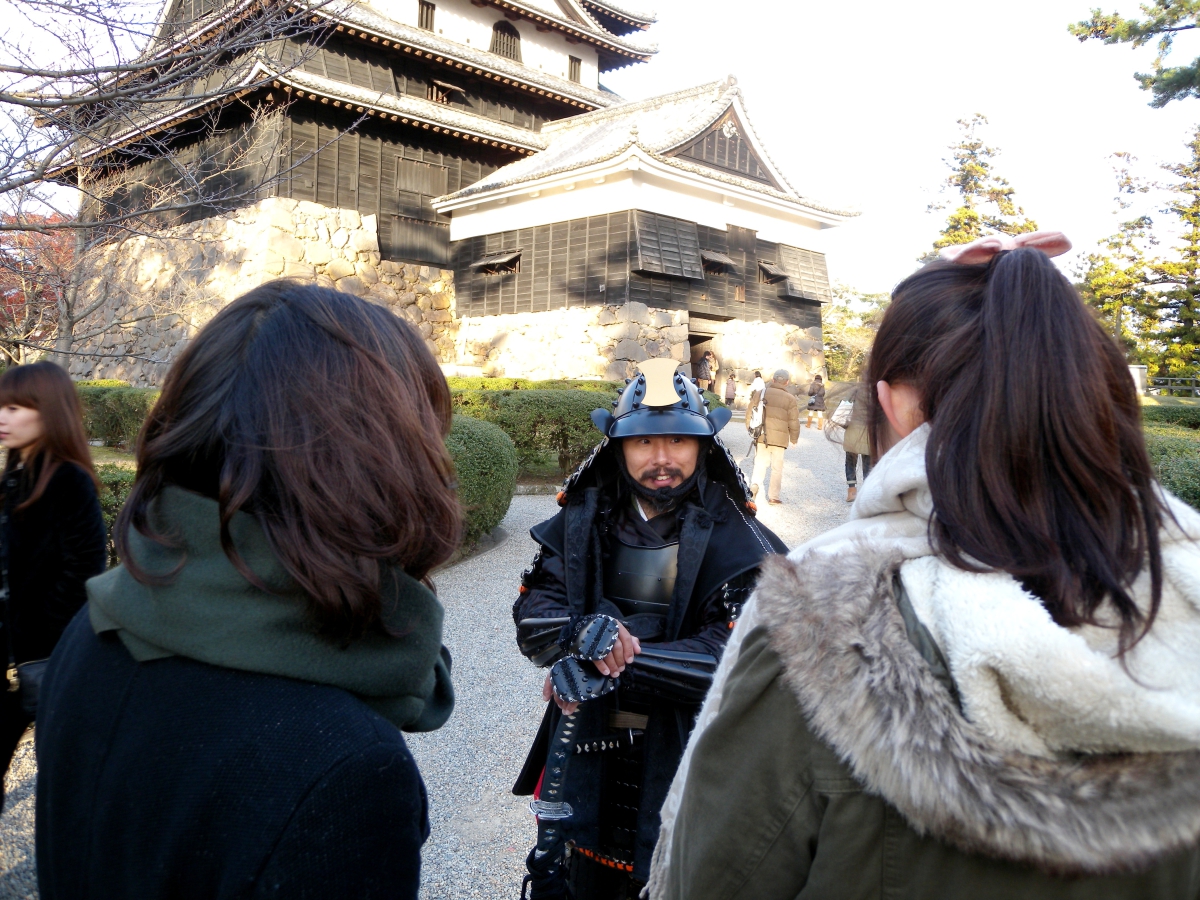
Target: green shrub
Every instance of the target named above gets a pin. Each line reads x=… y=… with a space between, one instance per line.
x=115 y=414
x=486 y=463
x=540 y=421
x=1175 y=453
x=103 y=382
x=525 y=384
x=116 y=483
x=1183 y=416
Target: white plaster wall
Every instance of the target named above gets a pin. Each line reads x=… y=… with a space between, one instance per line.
x=462 y=22
x=634 y=190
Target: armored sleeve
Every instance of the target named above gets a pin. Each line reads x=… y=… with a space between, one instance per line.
x=541 y=611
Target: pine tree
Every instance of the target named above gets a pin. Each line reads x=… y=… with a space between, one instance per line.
x=1115 y=280
x=985 y=200
x=1164 y=19
x=1178 y=279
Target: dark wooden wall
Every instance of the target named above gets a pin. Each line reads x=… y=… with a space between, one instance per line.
x=374 y=170
x=567 y=263
x=224 y=163
x=352 y=62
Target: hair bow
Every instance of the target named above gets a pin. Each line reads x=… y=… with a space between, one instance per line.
x=1052 y=243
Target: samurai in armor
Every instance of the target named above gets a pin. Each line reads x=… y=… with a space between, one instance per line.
x=629 y=602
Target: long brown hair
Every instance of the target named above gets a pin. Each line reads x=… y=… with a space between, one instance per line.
x=1036 y=461
x=47 y=388
x=325 y=418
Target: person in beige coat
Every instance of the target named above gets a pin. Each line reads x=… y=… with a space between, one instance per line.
x=781 y=426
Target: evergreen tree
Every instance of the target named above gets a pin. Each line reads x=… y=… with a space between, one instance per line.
x=1178 y=279
x=1163 y=20
x=848 y=327
x=985 y=200
x=1115 y=280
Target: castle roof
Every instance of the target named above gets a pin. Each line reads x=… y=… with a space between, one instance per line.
x=623 y=13
x=660 y=128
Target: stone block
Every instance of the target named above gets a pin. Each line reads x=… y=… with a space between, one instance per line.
x=366 y=273
x=387 y=267
x=289 y=247
x=618 y=371
x=424 y=302
x=309 y=210
x=441 y=301
x=317 y=253
x=385 y=292
x=339 y=268
x=299 y=270
x=661 y=318
x=279 y=216
x=679 y=351
x=426 y=329
x=351 y=285
x=606 y=316
x=339 y=238
x=350 y=219
x=676 y=333
x=325 y=281
x=413 y=315
x=408 y=298
x=637 y=312
x=630 y=350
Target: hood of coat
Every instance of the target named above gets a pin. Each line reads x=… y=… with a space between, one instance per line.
x=866 y=690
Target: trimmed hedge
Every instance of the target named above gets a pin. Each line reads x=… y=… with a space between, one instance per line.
x=116 y=483
x=525 y=384
x=115 y=414
x=1182 y=416
x=486 y=463
x=540 y=421
x=103 y=382
x=1175 y=454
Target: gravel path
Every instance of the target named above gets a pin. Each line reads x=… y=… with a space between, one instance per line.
x=480 y=832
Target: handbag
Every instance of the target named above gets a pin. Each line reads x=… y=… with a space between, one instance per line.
x=812 y=401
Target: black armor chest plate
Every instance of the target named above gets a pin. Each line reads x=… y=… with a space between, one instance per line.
x=641 y=579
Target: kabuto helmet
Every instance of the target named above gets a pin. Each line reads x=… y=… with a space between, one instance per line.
x=660 y=401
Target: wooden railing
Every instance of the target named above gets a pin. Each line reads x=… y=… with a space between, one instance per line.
x=1175 y=387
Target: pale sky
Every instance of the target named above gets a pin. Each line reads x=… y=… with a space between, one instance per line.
x=857 y=103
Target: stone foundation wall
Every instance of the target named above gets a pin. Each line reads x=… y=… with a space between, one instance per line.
x=157 y=292
x=589 y=342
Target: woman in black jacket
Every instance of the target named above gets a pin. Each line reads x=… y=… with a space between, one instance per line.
x=224 y=720
x=51 y=532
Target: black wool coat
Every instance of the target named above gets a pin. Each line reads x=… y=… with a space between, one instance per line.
x=54 y=546
x=174 y=779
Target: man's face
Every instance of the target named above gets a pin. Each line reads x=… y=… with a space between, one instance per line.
x=661 y=461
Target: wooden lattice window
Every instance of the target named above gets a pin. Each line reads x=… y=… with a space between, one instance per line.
x=437 y=93
x=574 y=67
x=506 y=41
x=425 y=15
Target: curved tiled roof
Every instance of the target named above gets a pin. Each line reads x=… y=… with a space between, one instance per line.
x=657 y=126
x=623 y=12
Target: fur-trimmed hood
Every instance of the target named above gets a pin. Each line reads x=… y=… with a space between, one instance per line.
x=1059 y=756
x=866 y=691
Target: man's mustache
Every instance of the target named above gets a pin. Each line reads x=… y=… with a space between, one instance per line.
x=658 y=471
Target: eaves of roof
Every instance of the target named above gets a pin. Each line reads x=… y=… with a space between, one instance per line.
x=624 y=14
x=415 y=111
x=589 y=31
x=359 y=21
x=480 y=189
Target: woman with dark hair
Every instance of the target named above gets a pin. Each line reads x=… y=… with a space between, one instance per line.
x=987 y=683
x=225 y=720
x=51 y=532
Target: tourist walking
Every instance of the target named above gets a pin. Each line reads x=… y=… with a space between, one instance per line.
x=706 y=370
x=224 y=720
x=987 y=683
x=730 y=389
x=857 y=443
x=816 y=401
x=52 y=536
x=640 y=575
x=780 y=427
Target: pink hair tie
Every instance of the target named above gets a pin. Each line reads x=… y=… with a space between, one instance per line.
x=1052 y=243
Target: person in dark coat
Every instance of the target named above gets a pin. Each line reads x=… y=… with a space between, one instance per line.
x=816 y=401
x=224 y=718
x=52 y=536
x=630 y=600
